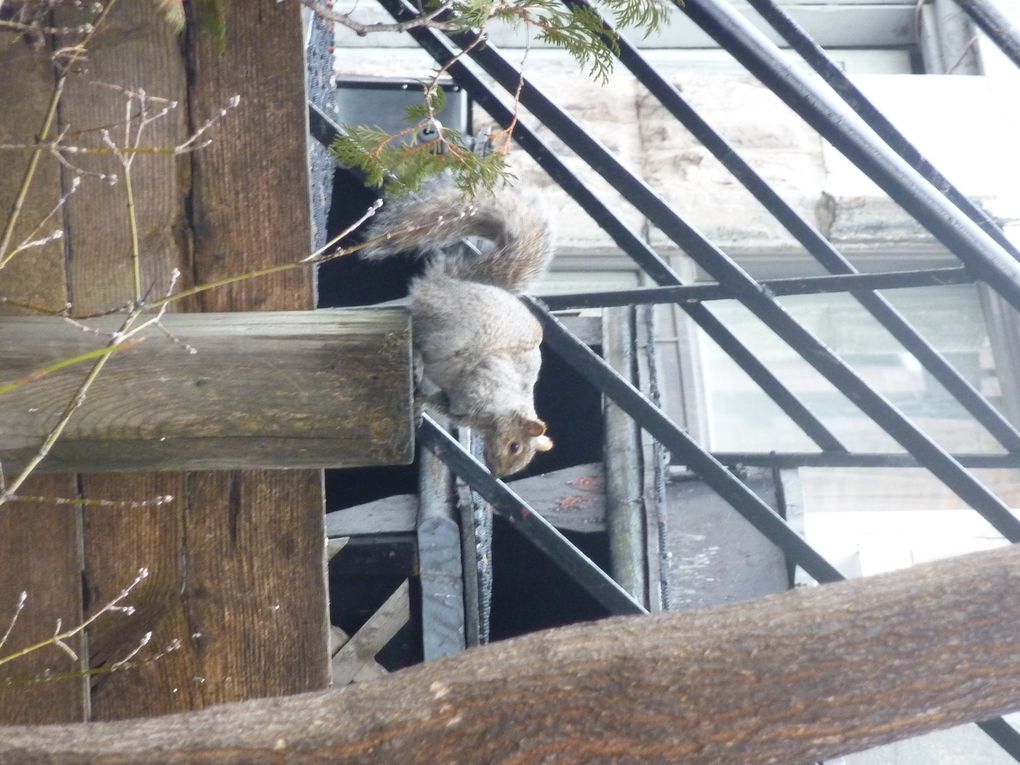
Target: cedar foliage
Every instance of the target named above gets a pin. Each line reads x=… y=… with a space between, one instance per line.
x=401 y=161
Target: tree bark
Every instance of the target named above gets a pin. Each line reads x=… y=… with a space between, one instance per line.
x=791 y=678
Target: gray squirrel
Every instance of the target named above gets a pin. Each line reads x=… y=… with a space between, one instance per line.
x=473 y=339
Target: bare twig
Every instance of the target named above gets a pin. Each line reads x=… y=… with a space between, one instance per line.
x=190 y=144
x=51 y=111
x=351 y=228
x=38 y=374
x=69 y=410
x=26 y=181
x=125 y=504
x=18 y=607
x=429 y=19
x=60 y=636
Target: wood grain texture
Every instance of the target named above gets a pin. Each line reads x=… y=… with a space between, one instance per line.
x=794 y=678
x=136 y=51
x=119 y=541
x=251 y=207
x=35 y=276
x=39 y=555
x=262 y=532
x=279 y=389
x=39 y=541
x=255 y=585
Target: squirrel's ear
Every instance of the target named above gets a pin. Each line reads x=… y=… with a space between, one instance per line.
x=543 y=444
x=534 y=428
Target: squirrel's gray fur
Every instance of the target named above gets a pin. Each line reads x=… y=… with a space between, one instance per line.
x=475 y=340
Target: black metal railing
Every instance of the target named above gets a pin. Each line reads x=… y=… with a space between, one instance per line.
x=867 y=138
x=740 y=285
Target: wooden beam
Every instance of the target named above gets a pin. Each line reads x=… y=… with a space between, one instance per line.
x=571 y=499
x=349 y=662
x=799 y=677
x=283 y=389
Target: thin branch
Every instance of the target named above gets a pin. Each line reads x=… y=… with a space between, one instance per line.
x=125 y=504
x=29 y=306
x=362 y=30
x=59 y=636
x=28 y=241
x=17 y=26
x=26 y=181
x=48 y=120
x=18 y=607
x=190 y=145
x=351 y=228
x=38 y=374
x=69 y=410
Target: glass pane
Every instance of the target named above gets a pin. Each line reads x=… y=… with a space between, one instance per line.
x=742 y=418
x=870 y=520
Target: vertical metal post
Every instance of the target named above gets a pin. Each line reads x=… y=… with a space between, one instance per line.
x=440 y=567
x=622 y=457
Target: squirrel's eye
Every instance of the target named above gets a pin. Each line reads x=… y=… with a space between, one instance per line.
x=514 y=447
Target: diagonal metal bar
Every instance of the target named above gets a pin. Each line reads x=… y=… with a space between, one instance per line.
x=850 y=135
x=799 y=285
x=537 y=529
x=627 y=240
x=812 y=240
x=321 y=126
x=727 y=272
x=682 y=447
x=818 y=59
x=1003 y=734
x=994 y=23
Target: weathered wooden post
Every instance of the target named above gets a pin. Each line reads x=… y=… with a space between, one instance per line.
x=288 y=389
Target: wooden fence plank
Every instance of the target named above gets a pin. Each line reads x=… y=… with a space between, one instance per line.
x=251 y=210
x=281 y=389
x=255 y=587
x=381 y=627
x=39 y=542
x=153 y=537
x=39 y=556
x=136 y=50
x=251 y=207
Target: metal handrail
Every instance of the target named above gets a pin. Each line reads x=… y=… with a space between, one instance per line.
x=726 y=271
x=816 y=57
x=811 y=239
x=846 y=131
x=994 y=23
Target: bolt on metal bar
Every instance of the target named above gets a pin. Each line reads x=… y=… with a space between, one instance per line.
x=744 y=288
x=856 y=459
x=681 y=446
x=798 y=285
x=818 y=59
x=810 y=238
x=537 y=529
x=845 y=130
x=627 y=240
x=996 y=25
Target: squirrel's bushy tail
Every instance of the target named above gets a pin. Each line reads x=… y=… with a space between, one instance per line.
x=513 y=221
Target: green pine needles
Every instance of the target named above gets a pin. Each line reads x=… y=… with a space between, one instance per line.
x=401 y=161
